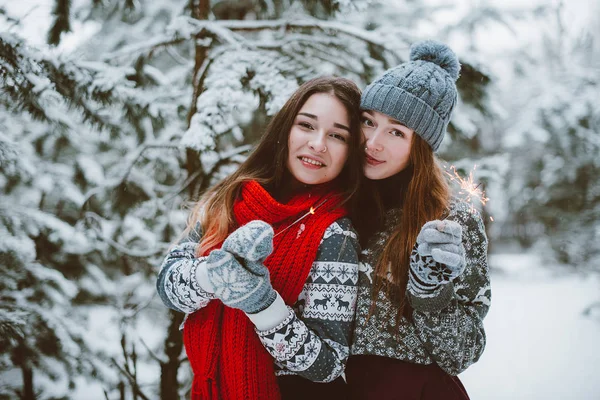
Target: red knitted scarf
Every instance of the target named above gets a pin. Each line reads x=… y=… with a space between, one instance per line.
x=226 y=355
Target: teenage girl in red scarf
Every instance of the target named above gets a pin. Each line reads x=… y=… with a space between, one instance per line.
x=268 y=271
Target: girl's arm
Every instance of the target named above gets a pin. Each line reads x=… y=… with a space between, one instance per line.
x=449 y=317
x=314 y=343
x=177 y=284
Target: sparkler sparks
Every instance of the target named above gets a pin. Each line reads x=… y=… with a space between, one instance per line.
x=468 y=188
x=309 y=212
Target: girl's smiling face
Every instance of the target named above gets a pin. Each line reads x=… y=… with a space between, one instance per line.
x=387 y=145
x=319 y=139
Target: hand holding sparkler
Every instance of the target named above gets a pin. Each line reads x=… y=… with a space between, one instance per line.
x=442 y=241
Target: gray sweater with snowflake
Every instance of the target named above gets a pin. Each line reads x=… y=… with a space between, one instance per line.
x=313 y=340
x=447 y=322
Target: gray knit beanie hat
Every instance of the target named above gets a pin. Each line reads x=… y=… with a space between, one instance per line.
x=420 y=93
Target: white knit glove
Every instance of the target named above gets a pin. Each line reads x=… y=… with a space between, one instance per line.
x=253 y=241
x=442 y=241
x=236 y=271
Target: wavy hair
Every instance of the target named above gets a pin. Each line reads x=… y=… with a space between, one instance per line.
x=423 y=194
x=267 y=164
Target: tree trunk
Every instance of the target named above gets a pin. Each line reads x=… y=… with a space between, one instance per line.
x=28 y=393
x=122 y=390
x=168 y=371
x=169 y=385
x=200 y=10
x=20 y=358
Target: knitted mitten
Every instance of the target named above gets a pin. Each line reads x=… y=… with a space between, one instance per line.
x=244 y=286
x=252 y=242
x=440 y=255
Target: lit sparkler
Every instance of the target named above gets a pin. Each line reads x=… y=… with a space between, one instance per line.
x=468 y=187
x=309 y=212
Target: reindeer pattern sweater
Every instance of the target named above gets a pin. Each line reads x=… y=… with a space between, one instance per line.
x=447 y=323
x=313 y=341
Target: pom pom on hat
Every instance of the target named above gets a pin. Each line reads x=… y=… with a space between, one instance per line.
x=437 y=53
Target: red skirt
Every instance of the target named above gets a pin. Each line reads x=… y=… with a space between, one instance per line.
x=382 y=378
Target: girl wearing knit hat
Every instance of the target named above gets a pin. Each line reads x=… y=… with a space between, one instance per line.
x=424 y=287
x=267 y=273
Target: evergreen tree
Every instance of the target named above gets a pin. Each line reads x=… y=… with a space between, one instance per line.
x=555 y=181
x=163 y=101
x=53 y=157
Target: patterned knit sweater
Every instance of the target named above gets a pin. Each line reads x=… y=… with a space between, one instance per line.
x=447 y=325
x=314 y=340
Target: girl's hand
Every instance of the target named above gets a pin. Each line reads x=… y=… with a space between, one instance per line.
x=239 y=283
x=442 y=241
x=252 y=242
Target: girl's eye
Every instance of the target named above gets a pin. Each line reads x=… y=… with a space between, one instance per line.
x=367 y=122
x=305 y=125
x=398 y=133
x=339 y=137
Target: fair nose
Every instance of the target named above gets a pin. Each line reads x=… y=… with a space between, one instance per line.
x=374 y=141
x=317 y=143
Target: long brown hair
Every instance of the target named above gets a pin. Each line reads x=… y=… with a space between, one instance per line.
x=267 y=163
x=423 y=194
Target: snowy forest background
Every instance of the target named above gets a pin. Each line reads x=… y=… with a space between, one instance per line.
x=115 y=114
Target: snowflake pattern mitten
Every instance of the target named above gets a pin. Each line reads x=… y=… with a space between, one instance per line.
x=247 y=288
x=252 y=242
x=439 y=256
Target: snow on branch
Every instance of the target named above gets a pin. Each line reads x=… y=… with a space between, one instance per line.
x=185 y=28
x=148 y=47
x=329 y=27
x=141 y=152
x=47 y=86
x=120 y=247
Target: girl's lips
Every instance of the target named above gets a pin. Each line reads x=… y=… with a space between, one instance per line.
x=310 y=165
x=373 y=161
